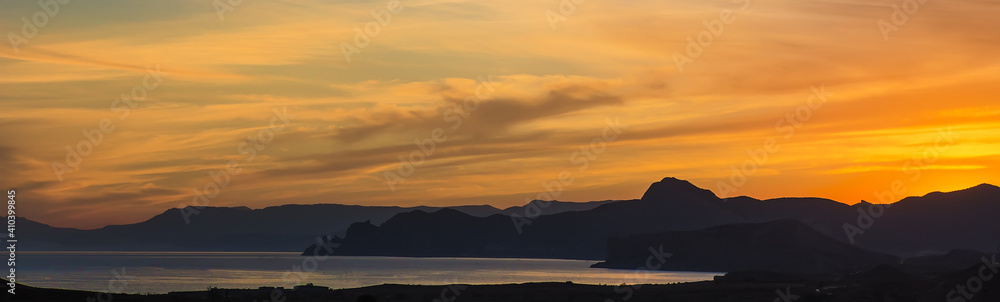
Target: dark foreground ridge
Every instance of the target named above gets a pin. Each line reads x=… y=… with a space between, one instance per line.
x=787 y=246
x=881 y=283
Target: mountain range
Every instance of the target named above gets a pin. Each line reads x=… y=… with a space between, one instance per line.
x=279 y=228
x=681 y=216
x=934 y=223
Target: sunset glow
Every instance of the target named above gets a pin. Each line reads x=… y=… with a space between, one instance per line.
x=803 y=98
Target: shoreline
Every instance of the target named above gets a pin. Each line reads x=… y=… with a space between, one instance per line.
x=20 y=285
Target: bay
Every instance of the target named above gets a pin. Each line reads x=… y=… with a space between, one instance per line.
x=161 y=272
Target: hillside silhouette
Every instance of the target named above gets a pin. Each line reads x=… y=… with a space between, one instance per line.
x=935 y=223
x=287 y=228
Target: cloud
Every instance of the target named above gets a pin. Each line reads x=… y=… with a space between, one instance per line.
x=553 y=91
x=475 y=117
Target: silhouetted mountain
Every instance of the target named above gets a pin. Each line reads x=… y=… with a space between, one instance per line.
x=438 y=235
x=478 y=211
x=49 y=237
x=670 y=204
x=553 y=207
x=959 y=219
x=824 y=215
x=934 y=223
x=937 y=222
x=278 y=228
x=779 y=246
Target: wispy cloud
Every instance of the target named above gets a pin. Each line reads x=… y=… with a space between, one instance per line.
x=610 y=59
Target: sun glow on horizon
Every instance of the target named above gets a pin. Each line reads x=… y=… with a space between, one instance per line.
x=509 y=100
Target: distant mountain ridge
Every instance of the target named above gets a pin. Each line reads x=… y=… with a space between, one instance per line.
x=278 y=228
x=934 y=223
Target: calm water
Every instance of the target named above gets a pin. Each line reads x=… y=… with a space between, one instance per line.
x=160 y=272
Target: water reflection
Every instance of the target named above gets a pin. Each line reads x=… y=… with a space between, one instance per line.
x=160 y=272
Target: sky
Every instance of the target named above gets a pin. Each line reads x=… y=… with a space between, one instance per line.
x=115 y=111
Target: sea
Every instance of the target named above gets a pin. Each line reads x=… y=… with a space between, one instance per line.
x=162 y=272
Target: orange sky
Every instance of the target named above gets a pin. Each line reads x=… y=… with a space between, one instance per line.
x=892 y=102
